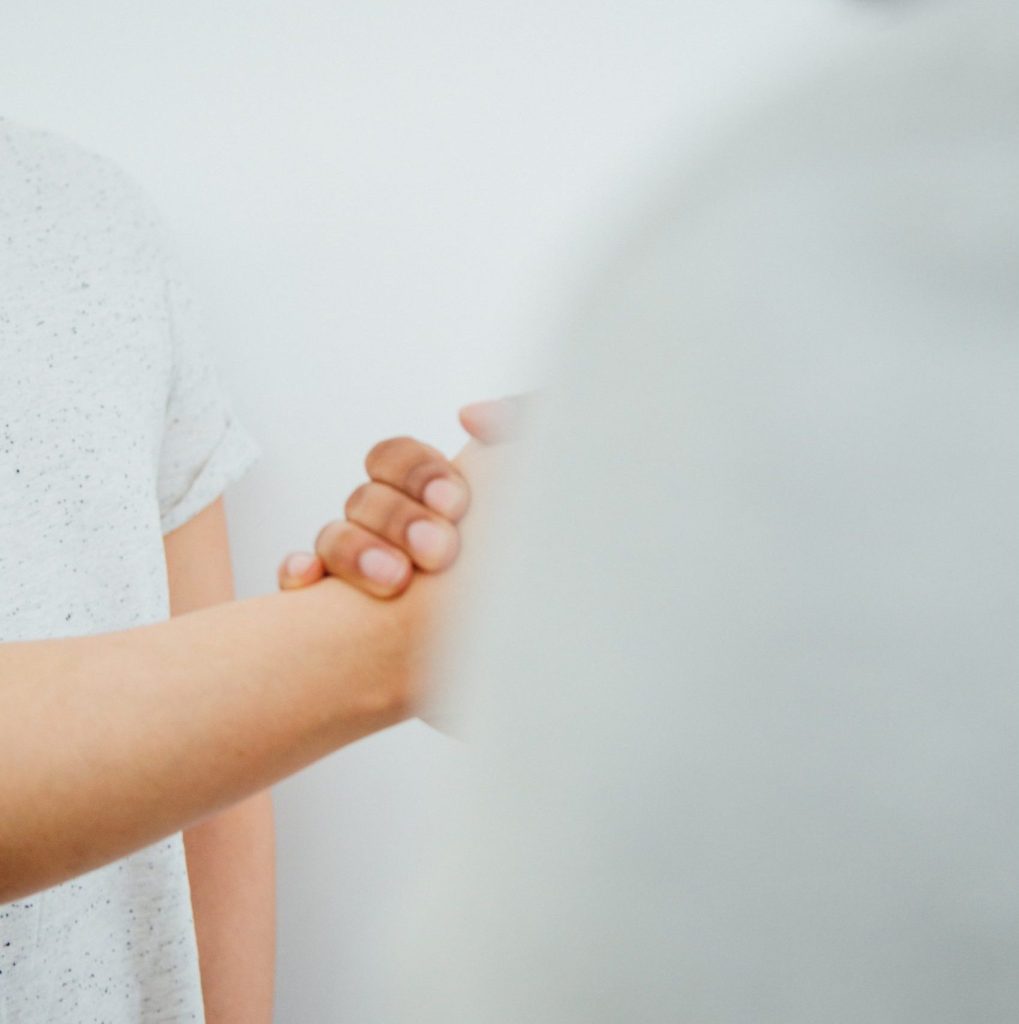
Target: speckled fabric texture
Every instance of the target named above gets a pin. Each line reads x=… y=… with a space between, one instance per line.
x=113 y=431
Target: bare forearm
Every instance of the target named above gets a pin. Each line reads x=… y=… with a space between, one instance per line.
x=230 y=860
x=111 y=742
x=231 y=854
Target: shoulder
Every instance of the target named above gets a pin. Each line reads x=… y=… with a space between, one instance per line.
x=85 y=269
x=72 y=192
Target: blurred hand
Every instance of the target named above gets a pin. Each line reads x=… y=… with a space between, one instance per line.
x=497 y=420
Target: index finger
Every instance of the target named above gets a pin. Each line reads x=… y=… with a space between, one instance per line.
x=422 y=472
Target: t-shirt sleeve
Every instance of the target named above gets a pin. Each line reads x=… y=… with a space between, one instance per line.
x=204 y=447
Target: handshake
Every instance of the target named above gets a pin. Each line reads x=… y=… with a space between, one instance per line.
x=159 y=726
x=404 y=518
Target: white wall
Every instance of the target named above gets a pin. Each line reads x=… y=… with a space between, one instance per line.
x=378 y=200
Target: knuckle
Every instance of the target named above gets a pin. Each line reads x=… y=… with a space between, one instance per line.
x=325 y=536
x=333 y=543
x=424 y=471
x=379 y=508
x=392 y=516
x=357 y=499
x=385 y=451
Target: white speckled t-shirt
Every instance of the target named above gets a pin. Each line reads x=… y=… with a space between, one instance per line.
x=113 y=431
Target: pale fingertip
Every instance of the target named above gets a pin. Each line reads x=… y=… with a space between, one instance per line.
x=433 y=545
x=447 y=497
x=490 y=422
x=472 y=417
x=299 y=570
x=382 y=567
x=299 y=564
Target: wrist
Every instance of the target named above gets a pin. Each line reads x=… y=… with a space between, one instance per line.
x=362 y=657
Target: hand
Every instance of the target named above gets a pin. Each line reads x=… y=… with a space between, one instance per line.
x=405 y=517
x=402 y=518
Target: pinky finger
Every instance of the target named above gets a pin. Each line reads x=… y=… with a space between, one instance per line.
x=300 y=570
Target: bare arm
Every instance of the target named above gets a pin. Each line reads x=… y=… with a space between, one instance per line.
x=110 y=742
x=230 y=855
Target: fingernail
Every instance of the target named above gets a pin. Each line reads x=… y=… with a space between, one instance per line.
x=382 y=566
x=444 y=496
x=298 y=564
x=428 y=540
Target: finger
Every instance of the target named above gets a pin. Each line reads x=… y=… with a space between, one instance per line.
x=430 y=540
x=362 y=558
x=299 y=570
x=497 y=420
x=421 y=472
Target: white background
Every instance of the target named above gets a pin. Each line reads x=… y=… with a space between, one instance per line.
x=380 y=202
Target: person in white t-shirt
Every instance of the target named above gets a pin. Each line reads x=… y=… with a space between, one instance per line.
x=118 y=729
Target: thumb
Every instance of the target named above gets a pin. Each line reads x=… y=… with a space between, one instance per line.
x=497 y=420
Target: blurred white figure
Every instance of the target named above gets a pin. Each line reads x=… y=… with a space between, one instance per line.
x=743 y=707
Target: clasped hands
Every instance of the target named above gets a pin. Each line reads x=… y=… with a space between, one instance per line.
x=404 y=518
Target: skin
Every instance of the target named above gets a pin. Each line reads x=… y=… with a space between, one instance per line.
x=405 y=513
x=114 y=741
x=231 y=855
x=341 y=543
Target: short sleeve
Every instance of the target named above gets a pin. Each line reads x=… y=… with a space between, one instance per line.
x=204 y=447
